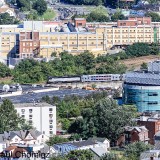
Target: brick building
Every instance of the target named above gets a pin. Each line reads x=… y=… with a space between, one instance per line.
x=29 y=44
x=152 y=123
x=133 y=134
x=78 y=22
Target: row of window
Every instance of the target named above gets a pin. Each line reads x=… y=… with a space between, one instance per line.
x=30 y=110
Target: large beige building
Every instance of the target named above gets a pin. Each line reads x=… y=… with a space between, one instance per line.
x=56 y=36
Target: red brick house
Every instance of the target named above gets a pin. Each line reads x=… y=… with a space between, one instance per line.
x=152 y=123
x=133 y=134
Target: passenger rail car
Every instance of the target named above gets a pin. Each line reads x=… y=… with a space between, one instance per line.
x=64 y=79
x=87 y=78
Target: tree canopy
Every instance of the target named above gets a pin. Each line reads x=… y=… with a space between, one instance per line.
x=155 y=16
x=134 y=150
x=105 y=119
x=56 y=139
x=10 y=120
x=5 y=18
x=142 y=49
x=40 y=6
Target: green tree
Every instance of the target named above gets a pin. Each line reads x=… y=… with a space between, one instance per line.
x=154 y=48
x=109 y=156
x=23 y=5
x=105 y=119
x=144 y=65
x=40 y=6
x=4 y=71
x=10 y=121
x=65 y=123
x=80 y=154
x=5 y=18
x=155 y=16
x=134 y=150
x=117 y=16
x=56 y=139
x=138 y=49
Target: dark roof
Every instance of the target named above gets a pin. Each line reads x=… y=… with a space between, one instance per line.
x=99 y=139
x=21 y=134
x=84 y=143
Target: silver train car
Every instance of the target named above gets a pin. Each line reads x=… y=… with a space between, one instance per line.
x=87 y=78
x=64 y=79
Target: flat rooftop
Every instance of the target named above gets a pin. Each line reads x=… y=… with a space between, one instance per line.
x=25 y=105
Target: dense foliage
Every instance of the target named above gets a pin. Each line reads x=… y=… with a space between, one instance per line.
x=4 y=71
x=142 y=49
x=39 y=5
x=105 y=119
x=117 y=16
x=155 y=16
x=55 y=139
x=134 y=150
x=75 y=155
x=5 y=18
x=110 y=156
x=10 y=120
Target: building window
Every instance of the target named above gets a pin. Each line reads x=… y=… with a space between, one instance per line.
x=30 y=110
x=50 y=115
x=50 y=109
x=153 y=94
x=30 y=121
x=30 y=116
x=23 y=44
x=23 y=116
x=152 y=102
x=50 y=132
x=50 y=121
x=22 y=110
x=51 y=126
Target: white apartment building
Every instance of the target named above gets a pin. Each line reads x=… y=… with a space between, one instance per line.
x=41 y=115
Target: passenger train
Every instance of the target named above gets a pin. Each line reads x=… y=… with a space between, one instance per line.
x=87 y=78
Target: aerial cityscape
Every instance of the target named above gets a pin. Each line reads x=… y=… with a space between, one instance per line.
x=80 y=79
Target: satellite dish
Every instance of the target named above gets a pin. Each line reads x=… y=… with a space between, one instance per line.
x=6 y=88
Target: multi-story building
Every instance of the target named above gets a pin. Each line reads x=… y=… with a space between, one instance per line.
x=41 y=115
x=57 y=37
x=142 y=88
x=29 y=44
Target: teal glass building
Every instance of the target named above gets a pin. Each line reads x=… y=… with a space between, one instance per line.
x=142 y=88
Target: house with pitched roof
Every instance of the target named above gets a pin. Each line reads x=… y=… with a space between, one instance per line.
x=6 y=9
x=22 y=137
x=133 y=134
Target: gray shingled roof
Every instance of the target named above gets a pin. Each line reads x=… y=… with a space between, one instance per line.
x=84 y=143
x=22 y=134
